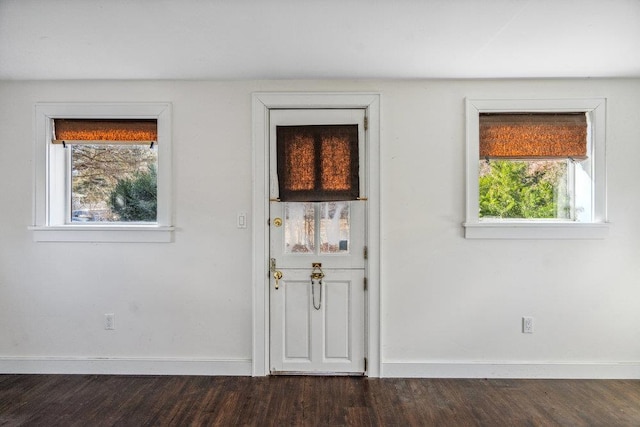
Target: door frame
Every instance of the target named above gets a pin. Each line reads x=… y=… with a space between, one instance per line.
x=262 y=103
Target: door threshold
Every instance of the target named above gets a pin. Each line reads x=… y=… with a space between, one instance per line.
x=318 y=374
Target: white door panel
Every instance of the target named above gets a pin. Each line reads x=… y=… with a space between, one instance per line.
x=317 y=328
x=325 y=340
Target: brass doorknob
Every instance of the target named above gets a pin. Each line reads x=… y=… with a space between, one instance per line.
x=277 y=275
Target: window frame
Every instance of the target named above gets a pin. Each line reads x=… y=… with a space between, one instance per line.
x=51 y=181
x=477 y=228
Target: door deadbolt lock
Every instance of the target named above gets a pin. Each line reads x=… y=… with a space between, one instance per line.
x=277 y=222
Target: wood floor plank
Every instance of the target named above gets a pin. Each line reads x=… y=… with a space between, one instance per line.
x=81 y=400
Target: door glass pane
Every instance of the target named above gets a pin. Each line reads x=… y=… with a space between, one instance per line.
x=334 y=227
x=299 y=163
x=299 y=227
x=336 y=162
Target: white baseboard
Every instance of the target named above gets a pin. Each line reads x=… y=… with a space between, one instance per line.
x=242 y=367
x=124 y=366
x=623 y=370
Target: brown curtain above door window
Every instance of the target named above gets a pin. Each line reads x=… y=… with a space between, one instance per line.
x=318 y=163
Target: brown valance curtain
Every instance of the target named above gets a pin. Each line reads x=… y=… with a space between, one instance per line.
x=533 y=135
x=318 y=162
x=91 y=131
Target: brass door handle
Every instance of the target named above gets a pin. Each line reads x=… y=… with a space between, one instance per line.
x=277 y=275
x=317 y=273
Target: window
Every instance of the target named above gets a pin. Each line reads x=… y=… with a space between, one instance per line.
x=535 y=169
x=103 y=173
x=528 y=165
x=113 y=166
x=318 y=173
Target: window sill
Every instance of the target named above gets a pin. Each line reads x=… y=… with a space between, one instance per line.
x=103 y=233
x=537 y=230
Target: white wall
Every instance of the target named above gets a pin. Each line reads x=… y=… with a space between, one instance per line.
x=450 y=306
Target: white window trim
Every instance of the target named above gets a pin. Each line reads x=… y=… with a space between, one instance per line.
x=46 y=228
x=475 y=228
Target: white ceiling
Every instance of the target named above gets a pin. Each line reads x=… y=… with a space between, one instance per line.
x=283 y=39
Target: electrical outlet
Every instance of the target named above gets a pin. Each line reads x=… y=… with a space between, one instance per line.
x=527 y=325
x=109 y=321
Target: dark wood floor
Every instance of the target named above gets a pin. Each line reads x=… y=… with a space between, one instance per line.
x=90 y=400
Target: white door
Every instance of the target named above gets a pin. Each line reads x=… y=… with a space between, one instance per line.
x=317 y=254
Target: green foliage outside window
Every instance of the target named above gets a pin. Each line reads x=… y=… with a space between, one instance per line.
x=523 y=189
x=136 y=199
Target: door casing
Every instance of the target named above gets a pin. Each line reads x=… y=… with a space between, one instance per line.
x=262 y=103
